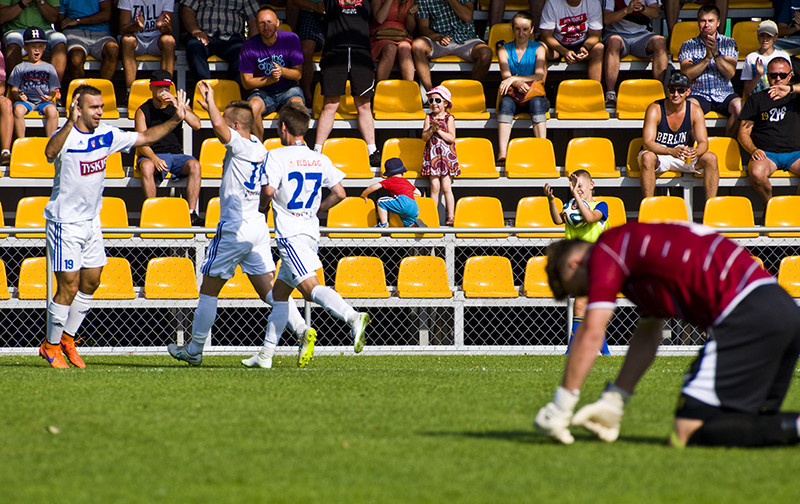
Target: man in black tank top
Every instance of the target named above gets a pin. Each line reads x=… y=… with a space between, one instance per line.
x=671 y=127
x=166 y=155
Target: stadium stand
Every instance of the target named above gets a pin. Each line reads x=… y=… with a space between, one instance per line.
x=536 y=278
x=534 y=212
x=361 y=277
x=789 y=275
x=165 y=213
x=489 y=277
x=353 y=212
x=423 y=277
x=116 y=280
x=782 y=212
x=478 y=212
x=663 y=208
x=729 y=211
x=4 y=293
x=170 y=278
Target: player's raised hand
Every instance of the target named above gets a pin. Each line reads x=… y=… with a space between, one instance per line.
x=604 y=416
x=74 y=109
x=554 y=418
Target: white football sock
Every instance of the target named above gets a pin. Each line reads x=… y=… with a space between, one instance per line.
x=297 y=324
x=58 y=314
x=371 y=148
x=77 y=312
x=275 y=326
x=333 y=303
x=204 y=316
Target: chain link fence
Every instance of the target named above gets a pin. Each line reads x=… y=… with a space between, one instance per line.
x=426 y=293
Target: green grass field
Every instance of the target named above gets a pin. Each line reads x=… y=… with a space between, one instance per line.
x=146 y=429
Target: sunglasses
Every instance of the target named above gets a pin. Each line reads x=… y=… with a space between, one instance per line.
x=436 y=100
x=679 y=90
x=778 y=75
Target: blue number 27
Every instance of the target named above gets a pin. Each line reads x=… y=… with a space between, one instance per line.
x=300 y=178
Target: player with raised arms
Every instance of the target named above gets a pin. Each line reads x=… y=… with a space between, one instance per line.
x=296 y=175
x=242 y=236
x=79 y=151
x=733 y=391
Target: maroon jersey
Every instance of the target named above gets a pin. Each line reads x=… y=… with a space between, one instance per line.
x=686 y=271
x=397 y=186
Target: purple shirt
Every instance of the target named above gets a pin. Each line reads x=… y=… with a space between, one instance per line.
x=257 y=58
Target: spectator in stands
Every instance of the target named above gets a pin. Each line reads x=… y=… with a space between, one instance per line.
x=671 y=127
x=166 y=155
x=630 y=31
x=709 y=60
x=6 y=118
x=446 y=29
x=85 y=24
x=392 y=24
x=311 y=30
x=754 y=73
x=17 y=16
x=497 y=10
x=216 y=29
x=35 y=85
x=402 y=201
x=523 y=67
x=347 y=55
x=770 y=129
x=788 y=18
x=672 y=9
x=572 y=29
x=146 y=28
x=439 y=159
x=271 y=65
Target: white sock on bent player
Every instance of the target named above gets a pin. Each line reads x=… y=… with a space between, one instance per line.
x=77 y=312
x=297 y=324
x=275 y=326
x=333 y=303
x=58 y=314
x=204 y=316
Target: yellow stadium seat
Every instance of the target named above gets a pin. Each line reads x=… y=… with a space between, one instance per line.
x=635 y=95
x=349 y=155
x=616 y=210
x=140 y=93
x=409 y=150
x=744 y=33
x=225 y=91
x=531 y=158
x=730 y=211
x=114 y=214
x=423 y=277
x=729 y=159
x=536 y=284
x=476 y=158
x=580 y=99
x=595 y=155
x=397 y=100
x=170 y=278
x=361 y=277
x=469 y=100
x=106 y=90
x=502 y=32
x=116 y=280
x=789 y=275
x=427 y=212
x=682 y=32
x=165 y=213
x=4 y=293
x=353 y=212
x=28 y=159
x=30 y=215
x=114 y=166
x=479 y=212
x=272 y=143
x=488 y=277
x=663 y=208
x=33 y=279
x=534 y=211
x=2 y=221
x=632 y=165
x=347 y=107
x=212 y=215
x=782 y=212
x=212 y=153
x=238 y=287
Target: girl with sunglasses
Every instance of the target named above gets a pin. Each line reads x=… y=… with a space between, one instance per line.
x=439 y=161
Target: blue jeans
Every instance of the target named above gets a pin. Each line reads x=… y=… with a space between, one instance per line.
x=274 y=101
x=197 y=56
x=537 y=107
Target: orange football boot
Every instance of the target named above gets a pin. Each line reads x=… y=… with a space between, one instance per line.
x=68 y=347
x=53 y=355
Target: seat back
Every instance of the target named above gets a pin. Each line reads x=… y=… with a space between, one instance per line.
x=114 y=167
x=469 y=100
x=500 y=32
x=140 y=93
x=479 y=212
x=32 y=282
x=225 y=91
x=729 y=159
x=106 y=91
x=212 y=154
x=349 y=155
x=534 y=211
x=272 y=143
x=116 y=280
x=4 y=293
x=595 y=155
x=114 y=214
x=489 y=277
x=536 y=284
x=789 y=275
x=427 y=212
x=170 y=278
x=165 y=213
x=782 y=212
x=423 y=277
x=616 y=210
x=397 y=100
x=729 y=211
x=531 y=157
x=238 y=287
x=2 y=221
x=361 y=277
x=30 y=215
x=745 y=33
x=476 y=158
x=347 y=107
x=580 y=99
x=635 y=95
x=409 y=150
x=212 y=214
x=663 y=208
x=28 y=159
x=632 y=168
x=353 y=212
x=682 y=32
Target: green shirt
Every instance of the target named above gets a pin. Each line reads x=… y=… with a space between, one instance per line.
x=30 y=16
x=591 y=230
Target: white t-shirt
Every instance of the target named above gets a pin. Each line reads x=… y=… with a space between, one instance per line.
x=298 y=175
x=151 y=9
x=80 y=170
x=625 y=26
x=749 y=68
x=243 y=176
x=571 y=24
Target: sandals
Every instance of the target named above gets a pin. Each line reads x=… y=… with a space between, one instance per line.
x=449 y=222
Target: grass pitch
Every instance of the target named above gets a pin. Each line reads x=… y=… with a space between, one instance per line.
x=352 y=429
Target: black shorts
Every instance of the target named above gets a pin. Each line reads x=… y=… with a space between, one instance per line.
x=747 y=364
x=719 y=107
x=353 y=63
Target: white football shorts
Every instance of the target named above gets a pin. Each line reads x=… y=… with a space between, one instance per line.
x=75 y=245
x=239 y=243
x=299 y=259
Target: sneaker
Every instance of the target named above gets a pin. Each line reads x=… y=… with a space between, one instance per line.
x=70 y=352
x=5 y=159
x=419 y=223
x=305 y=349
x=52 y=354
x=257 y=361
x=182 y=354
x=382 y=225
x=197 y=220
x=611 y=99
x=375 y=158
x=357 y=331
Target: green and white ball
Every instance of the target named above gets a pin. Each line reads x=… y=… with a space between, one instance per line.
x=572 y=214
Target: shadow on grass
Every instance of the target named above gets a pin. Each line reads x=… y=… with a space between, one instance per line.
x=535 y=438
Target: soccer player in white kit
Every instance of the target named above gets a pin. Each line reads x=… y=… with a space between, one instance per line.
x=296 y=175
x=242 y=233
x=74 y=240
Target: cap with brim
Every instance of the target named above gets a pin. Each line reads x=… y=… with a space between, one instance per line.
x=679 y=79
x=34 y=34
x=393 y=166
x=767 y=26
x=160 y=78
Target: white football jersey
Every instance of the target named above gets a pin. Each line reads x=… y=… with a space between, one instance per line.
x=242 y=177
x=298 y=175
x=80 y=170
